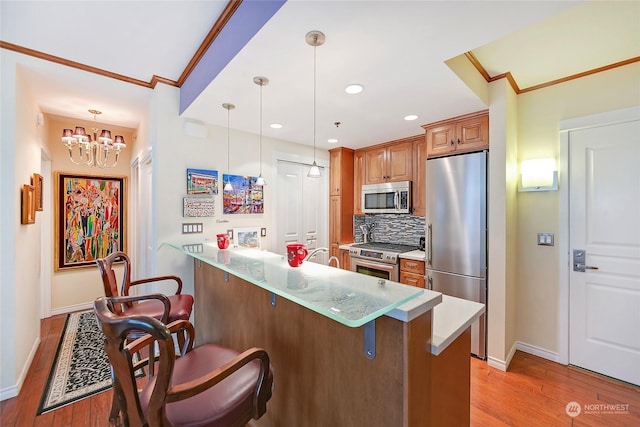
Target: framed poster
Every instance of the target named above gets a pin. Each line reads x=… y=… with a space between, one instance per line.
x=202 y=181
x=90 y=218
x=28 y=208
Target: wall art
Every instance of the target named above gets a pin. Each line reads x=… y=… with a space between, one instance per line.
x=28 y=208
x=90 y=216
x=247 y=237
x=245 y=198
x=198 y=207
x=37 y=182
x=202 y=181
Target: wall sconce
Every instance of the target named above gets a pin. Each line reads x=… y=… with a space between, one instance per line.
x=538 y=175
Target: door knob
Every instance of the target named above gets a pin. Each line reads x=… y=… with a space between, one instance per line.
x=579 y=261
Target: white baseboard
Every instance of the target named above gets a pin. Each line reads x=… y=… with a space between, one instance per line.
x=502 y=365
x=10 y=392
x=72 y=308
x=540 y=352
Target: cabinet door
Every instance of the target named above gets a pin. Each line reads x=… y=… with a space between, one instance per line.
x=375 y=170
x=358 y=180
x=334 y=173
x=399 y=161
x=345 y=259
x=419 y=177
x=334 y=223
x=440 y=139
x=473 y=134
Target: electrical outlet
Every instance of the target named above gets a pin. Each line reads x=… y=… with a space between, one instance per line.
x=545 y=239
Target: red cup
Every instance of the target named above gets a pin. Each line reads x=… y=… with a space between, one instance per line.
x=296 y=253
x=223 y=241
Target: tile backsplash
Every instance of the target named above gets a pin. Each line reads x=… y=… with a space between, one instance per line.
x=390 y=228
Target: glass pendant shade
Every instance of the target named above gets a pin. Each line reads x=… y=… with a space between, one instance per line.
x=314 y=172
x=260 y=181
x=228 y=187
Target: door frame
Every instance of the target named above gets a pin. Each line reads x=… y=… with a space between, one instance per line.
x=566 y=126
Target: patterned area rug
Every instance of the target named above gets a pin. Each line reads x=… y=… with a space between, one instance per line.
x=81 y=367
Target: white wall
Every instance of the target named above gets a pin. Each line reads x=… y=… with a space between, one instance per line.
x=20 y=274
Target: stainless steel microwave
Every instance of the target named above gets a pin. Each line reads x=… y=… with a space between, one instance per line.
x=389 y=197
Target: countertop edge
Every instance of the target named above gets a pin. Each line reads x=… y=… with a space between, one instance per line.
x=416 y=307
x=450 y=319
x=416 y=255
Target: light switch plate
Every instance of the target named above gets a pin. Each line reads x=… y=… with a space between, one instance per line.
x=545 y=239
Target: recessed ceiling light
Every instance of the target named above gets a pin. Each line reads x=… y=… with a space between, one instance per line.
x=410 y=117
x=276 y=126
x=354 y=88
x=332 y=140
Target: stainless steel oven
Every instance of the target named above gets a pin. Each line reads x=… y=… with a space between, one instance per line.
x=378 y=259
x=377 y=269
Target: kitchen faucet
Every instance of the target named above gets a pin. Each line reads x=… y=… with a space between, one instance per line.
x=314 y=252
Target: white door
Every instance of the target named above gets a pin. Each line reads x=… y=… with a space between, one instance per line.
x=302 y=208
x=604 y=299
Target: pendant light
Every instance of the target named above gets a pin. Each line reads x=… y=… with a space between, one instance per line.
x=261 y=81
x=227 y=186
x=315 y=39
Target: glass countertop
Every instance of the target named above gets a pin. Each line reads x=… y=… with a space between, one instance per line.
x=352 y=299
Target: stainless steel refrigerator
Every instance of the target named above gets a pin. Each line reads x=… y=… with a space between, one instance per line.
x=456 y=233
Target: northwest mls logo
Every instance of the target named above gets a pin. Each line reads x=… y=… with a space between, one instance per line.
x=573 y=409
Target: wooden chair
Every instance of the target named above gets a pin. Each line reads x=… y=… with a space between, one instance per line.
x=180 y=304
x=205 y=386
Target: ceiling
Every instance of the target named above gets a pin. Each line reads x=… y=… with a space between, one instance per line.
x=396 y=49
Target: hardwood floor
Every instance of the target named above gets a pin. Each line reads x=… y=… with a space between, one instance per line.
x=535 y=392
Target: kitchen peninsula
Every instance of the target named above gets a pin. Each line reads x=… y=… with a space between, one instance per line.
x=346 y=348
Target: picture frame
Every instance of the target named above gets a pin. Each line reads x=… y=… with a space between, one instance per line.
x=90 y=215
x=202 y=181
x=246 y=197
x=28 y=205
x=247 y=237
x=37 y=181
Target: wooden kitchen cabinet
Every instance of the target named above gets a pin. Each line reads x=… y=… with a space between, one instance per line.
x=412 y=272
x=419 y=184
x=389 y=162
x=340 y=199
x=345 y=259
x=459 y=134
x=358 y=180
x=341 y=172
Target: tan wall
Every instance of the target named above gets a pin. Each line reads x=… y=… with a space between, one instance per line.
x=76 y=287
x=539 y=116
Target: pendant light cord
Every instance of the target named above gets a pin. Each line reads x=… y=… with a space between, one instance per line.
x=261 y=129
x=314 y=104
x=228 y=146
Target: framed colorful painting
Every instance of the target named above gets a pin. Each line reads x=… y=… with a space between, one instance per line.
x=245 y=197
x=90 y=218
x=202 y=181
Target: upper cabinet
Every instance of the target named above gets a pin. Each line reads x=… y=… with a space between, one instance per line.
x=358 y=180
x=460 y=134
x=387 y=163
x=419 y=195
x=341 y=172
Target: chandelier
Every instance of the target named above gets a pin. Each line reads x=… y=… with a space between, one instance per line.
x=100 y=151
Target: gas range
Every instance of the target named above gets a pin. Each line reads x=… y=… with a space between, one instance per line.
x=381 y=252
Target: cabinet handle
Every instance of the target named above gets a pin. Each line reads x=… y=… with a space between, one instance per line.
x=458 y=141
x=452 y=142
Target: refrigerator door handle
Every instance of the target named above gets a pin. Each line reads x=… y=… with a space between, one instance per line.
x=429 y=240
x=430 y=282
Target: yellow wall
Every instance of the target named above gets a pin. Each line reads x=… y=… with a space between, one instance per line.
x=539 y=115
x=74 y=287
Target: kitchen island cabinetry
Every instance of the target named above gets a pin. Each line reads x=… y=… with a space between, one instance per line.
x=458 y=135
x=340 y=199
x=389 y=162
x=337 y=340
